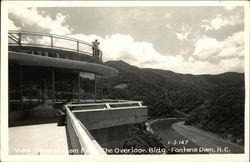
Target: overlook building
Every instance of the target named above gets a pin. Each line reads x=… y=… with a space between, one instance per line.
x=46 y=71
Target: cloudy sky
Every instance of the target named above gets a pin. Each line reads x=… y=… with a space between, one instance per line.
x=195 y=40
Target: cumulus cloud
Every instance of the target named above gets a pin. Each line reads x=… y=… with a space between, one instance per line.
x=206 y=47
x=182 y=36
x=140 y=53
x=167 y=15
x=168 y=26
x=218 y=22
x=229 y=8
x=119 y=46
x=144 y=55
x=183 y=33
x=12 y=26
x=31 y=17
x=232 y=46
x=232 y=64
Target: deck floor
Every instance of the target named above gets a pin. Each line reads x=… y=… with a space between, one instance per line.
x=39 y=139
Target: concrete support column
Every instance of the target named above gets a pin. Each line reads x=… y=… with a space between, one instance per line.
x=102 y=88
x=95 y=89
x=79 y=88
x=53 y=88
x=40 y=91
x=21 y=86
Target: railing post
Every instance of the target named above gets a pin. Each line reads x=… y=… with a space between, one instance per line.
x=19 y=39
x=51 y=41
x=77 y=46
x=108 y=106
x=77 y=42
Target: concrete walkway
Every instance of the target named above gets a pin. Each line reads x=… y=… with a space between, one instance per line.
x=40 y=139
x=208 y=141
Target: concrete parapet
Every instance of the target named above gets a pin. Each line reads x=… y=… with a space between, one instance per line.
x=104 y=118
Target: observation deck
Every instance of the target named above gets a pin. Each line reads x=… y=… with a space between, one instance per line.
x=49 y=50
x=47 y=71
x=88 y=129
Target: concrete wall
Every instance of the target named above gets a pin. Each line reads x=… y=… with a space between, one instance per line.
x=42 y=113
x=110 y=127
x=106 y=118
x=112 y=137
x=15 y=115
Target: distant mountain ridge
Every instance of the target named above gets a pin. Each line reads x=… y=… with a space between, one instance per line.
x=168 y=80
x=167 y=93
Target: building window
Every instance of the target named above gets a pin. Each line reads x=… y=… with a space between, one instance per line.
x=14 y=88
x=99 y=90
x=34 y=88
x=66 y=85
x=87 y=86
x=37 y=90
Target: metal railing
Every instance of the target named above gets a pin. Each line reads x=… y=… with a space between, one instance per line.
x=52 y=41
x=81 y=136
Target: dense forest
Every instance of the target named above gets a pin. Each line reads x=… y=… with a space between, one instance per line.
x=141 y=139
x=210 y=102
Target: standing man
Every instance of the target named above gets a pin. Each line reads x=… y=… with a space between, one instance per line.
x=95 y=48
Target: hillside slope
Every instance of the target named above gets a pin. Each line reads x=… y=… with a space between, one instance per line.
x=211 y=102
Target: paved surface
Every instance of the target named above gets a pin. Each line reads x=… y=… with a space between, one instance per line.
x=207 y=140
x=172 y=140
x=40 y=139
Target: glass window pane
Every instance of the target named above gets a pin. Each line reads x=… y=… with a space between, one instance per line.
x=87 y=86
x=14 y=88
x=99 y=90
x=66 y=86
x=37 y=88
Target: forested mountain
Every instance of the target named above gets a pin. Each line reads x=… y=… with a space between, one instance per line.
x=211 y=102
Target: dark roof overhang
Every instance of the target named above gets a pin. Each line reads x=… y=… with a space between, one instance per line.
x=42 y=61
